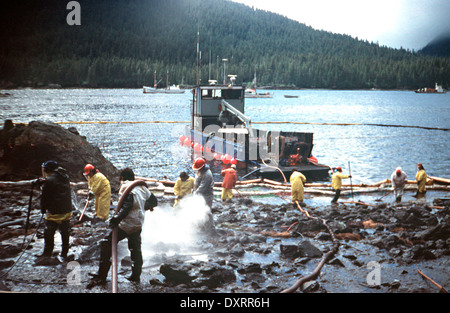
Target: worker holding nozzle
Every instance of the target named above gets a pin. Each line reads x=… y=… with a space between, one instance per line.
x=129 y=221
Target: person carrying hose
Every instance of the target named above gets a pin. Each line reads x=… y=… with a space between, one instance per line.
x=56 y=203
x=129 y=221
x=336 y=183
x=297 y=180
x=100 y=187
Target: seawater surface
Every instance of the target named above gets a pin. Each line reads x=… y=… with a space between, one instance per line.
x=153 y=150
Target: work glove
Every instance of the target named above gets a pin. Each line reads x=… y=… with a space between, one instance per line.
x=38 y=182
x=114 y=221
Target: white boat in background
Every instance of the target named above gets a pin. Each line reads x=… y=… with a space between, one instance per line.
x=168 y=90
x=437 y=89
x=250 y=91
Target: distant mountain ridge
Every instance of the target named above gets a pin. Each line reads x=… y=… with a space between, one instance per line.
x=439 y=47
x=122 y=43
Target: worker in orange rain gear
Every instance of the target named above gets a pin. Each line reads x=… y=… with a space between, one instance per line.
x=229 y=181
x=297 y=189
x=183 y=187
x=421 y=178
x=336 y=182
x=100 y=187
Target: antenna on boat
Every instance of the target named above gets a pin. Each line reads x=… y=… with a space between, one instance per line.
x=198 y=52
x=224 y=70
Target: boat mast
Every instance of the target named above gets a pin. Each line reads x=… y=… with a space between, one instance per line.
x=198 y=55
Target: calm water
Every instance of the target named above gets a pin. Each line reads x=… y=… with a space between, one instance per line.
x=153 y=149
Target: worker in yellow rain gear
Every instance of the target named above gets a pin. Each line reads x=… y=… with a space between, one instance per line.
x=183 y=187
x=100 y=187
x=336 y=182
x=297 y=180
x=421 y=178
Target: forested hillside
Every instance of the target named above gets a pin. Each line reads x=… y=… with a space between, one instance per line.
x=121 y=43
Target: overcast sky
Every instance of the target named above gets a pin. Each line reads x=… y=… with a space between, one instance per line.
x=410 y=24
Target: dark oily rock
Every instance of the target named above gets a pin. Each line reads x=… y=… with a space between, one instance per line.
x=176 y=273
x=441 y=231
x=250 y=268
x=9 y=251
x=304 y=249
x=31 y=145
x=237 y=250
x=307 y=249
x=214 y=276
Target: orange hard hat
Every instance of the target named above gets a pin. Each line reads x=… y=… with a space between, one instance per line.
x=199 y=163
x=88 y=168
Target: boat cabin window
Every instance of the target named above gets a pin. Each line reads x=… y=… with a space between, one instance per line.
x=211 y=93
x=232 y=93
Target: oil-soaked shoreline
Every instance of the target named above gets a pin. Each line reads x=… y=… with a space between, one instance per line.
x=250 y=250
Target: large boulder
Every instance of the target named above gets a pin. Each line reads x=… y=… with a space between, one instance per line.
x=23 y=148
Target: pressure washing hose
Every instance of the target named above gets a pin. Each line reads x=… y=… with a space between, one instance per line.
x=300 y=282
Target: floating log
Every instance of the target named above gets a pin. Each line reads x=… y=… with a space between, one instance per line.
x=440 y=181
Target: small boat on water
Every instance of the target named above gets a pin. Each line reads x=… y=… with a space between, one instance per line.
x=220 y=130
x=250 y=91
x=168 y=90
x=290 y=96
x=437 y=89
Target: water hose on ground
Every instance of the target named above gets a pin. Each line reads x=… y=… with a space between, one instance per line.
x=300 y=282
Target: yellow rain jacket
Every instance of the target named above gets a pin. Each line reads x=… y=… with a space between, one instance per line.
x=336 y=180
x=99 y=185
x=421 y=178
x=183 y=188
x=297 y=179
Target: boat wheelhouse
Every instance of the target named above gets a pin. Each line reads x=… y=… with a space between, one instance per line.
x=220 y=130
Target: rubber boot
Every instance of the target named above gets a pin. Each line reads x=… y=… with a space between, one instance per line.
x=135 y=274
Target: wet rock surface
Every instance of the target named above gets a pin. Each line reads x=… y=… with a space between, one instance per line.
x=23 y=148
x=255 y=246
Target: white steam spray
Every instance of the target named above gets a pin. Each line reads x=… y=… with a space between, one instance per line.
x=176 y=229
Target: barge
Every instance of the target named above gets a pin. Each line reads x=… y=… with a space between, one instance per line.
x=220 y=130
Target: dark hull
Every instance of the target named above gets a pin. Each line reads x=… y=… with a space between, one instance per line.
x=312 y=172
